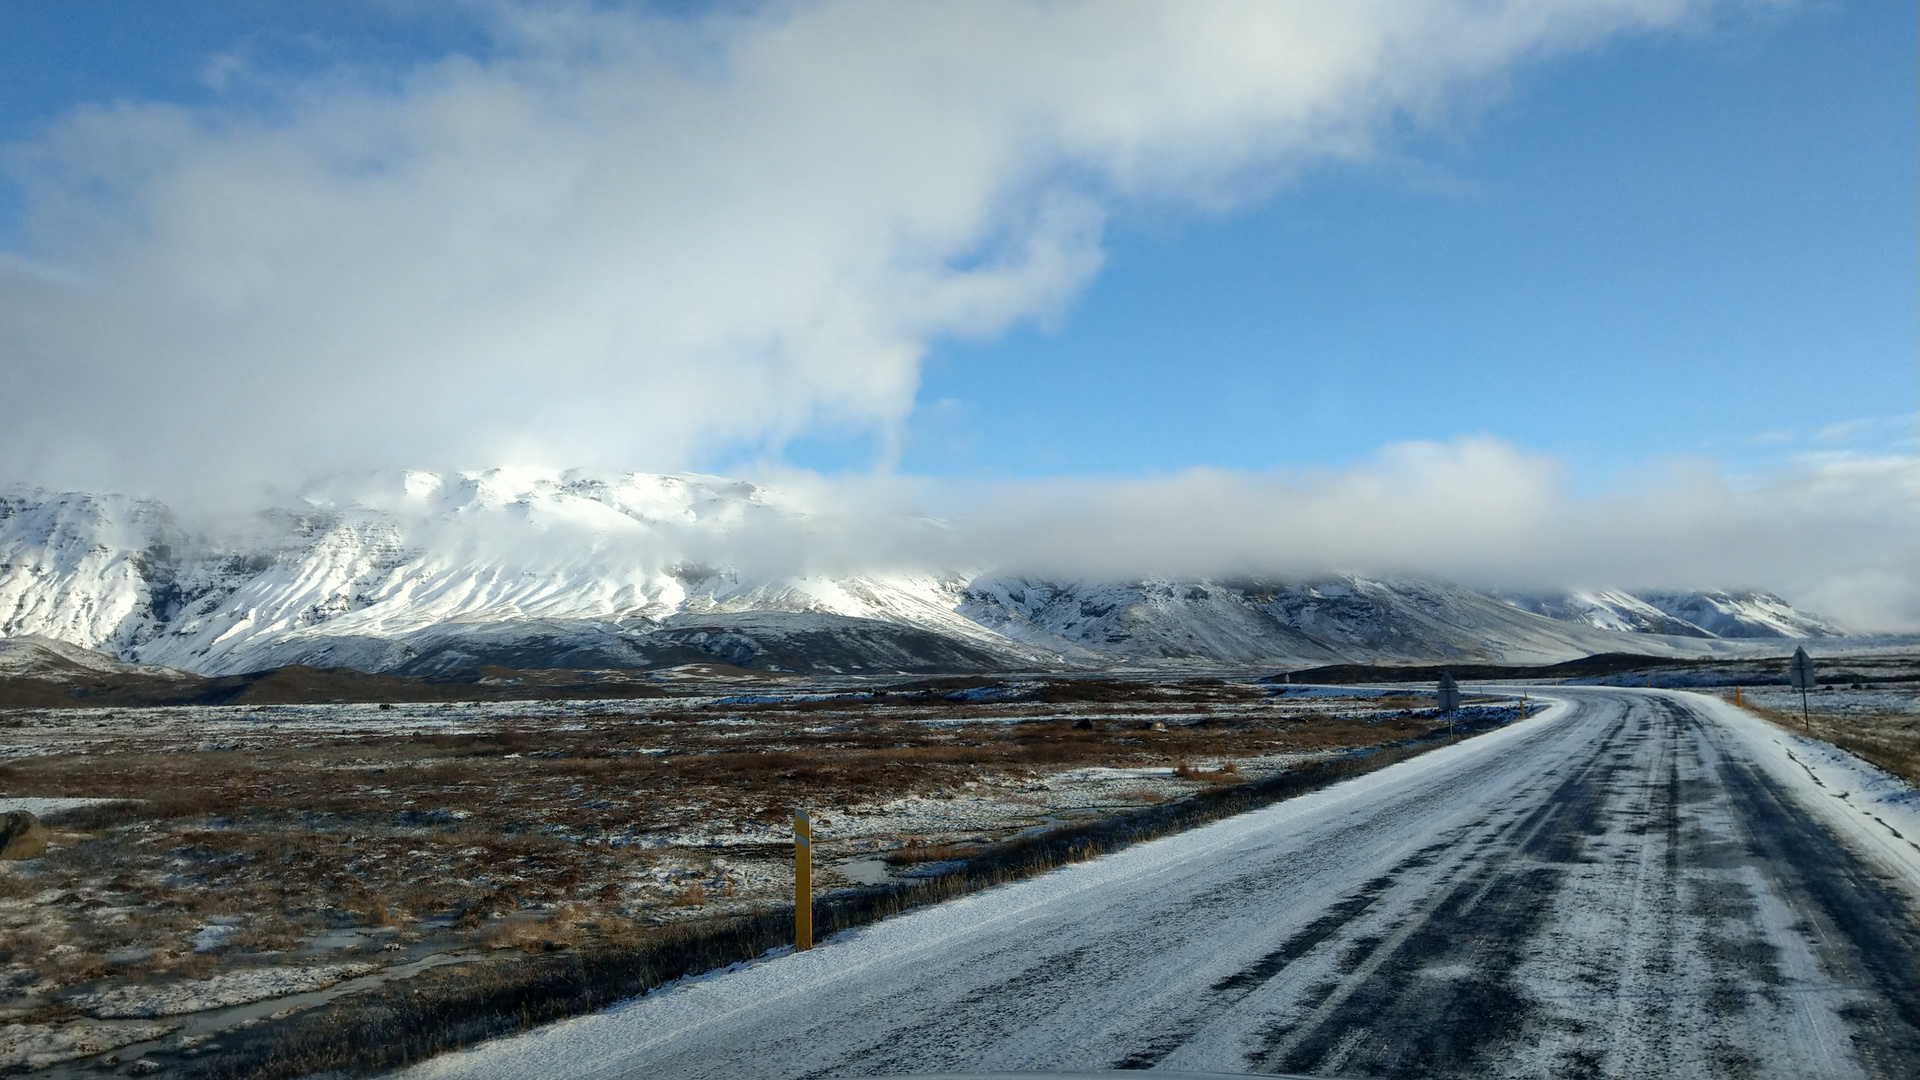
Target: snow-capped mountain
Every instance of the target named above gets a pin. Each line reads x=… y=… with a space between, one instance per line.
x=1741 y=614
x=425 y=573
x=1702 y=614
x=1606 y=609
x=1334 y=620
x=421 y=573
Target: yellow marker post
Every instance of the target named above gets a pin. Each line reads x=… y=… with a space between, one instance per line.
x=1736 y=697
x=1523 y=708
x=802 y=881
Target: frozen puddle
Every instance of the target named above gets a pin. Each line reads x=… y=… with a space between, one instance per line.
x=864 y=871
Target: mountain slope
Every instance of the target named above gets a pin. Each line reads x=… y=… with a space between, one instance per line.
x=1742 y=615
x=80 y=568
x=1700 y=614
x=1607 y=609
x=1339 y=619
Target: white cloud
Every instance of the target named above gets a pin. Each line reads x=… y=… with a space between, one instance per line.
x=1834 y=536
x=628 y=240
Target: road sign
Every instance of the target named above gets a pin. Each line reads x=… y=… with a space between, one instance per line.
x=1800 y=670
x=1449 y=699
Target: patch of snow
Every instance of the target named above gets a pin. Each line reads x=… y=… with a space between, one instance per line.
x=1742 y=615
x=1301 y=690
x=36 y=1046
x=213 y=937
x=43 y=806
x=234 y=988
x=979 y=694
x=1104 y=772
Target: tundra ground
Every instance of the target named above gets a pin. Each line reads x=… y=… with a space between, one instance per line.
x=223 y=865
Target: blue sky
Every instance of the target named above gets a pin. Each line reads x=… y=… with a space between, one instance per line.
x=1677 y=245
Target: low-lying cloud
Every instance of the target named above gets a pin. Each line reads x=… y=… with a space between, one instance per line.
x=631 y=241
x=1833 y=535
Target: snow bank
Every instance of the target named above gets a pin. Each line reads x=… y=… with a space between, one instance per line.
x=1878 y=812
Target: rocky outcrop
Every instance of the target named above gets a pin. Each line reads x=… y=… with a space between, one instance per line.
x=22 y=836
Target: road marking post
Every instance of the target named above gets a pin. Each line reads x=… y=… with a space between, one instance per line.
x=1736 y=697
x=802 y=881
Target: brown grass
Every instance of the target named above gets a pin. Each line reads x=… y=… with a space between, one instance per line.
x=1889 y=741
x=397 y=1024
x=917 y=851
x=694 y=895
x=508 y=833
x=1227 y=773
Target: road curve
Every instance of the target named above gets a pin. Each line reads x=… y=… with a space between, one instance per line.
x=1614 y=888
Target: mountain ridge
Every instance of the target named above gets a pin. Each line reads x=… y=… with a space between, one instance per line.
x=422 y=573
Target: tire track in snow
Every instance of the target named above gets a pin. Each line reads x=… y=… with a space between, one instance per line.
x=1191 y=932
x=1475 y=933
x=1867 y=936
x=1201 y=1009
x=1232 y=988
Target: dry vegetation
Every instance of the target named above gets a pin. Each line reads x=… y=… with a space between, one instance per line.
x=1861 y=724
x=273 y=838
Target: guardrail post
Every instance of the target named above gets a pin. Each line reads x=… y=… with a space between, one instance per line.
x=802 y=881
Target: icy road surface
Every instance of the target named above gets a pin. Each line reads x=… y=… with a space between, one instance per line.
x=1626 y=886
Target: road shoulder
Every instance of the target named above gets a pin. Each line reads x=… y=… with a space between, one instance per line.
x=1877 y=814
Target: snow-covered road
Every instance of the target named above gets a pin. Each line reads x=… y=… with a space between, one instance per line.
x=1626 y=885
